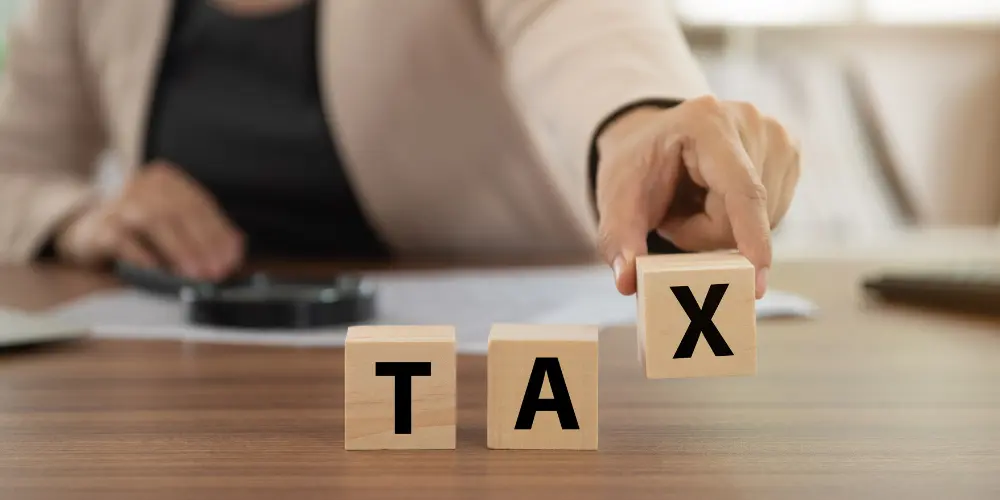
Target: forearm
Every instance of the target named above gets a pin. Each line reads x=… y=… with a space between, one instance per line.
x=573 y=65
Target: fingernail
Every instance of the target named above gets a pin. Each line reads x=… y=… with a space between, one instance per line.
x=762 y=282
x=618 y=266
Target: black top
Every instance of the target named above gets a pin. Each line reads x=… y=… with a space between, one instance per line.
x=238 y=107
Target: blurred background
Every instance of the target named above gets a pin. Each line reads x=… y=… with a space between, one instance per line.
x=896 y=104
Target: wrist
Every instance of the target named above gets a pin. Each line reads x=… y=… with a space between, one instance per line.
x=626 y=125
x=601 y=134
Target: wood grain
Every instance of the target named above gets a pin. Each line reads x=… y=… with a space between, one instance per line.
x=707 y=298
x=371 y=402
x=571 y=383
x=865 y=402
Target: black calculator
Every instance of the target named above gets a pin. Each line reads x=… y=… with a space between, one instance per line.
x=261 y=301
x=965 y=290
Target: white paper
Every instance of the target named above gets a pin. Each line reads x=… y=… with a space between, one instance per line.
x=470 y=300
x=22 y=328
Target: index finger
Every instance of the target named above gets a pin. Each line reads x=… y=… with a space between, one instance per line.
x=728 y=170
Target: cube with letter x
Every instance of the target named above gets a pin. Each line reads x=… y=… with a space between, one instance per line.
x=542 y=387
x=696 y=315
x=399 y=387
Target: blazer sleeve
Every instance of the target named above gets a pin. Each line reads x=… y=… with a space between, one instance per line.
x=50 y=132
x=572 y=64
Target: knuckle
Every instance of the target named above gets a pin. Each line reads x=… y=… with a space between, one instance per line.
x=708 y=104
x=779 y=135
x=707 y=100
x=153 y=170
x=151 y=219
x=774 y=128
x=110 y=237
x=160 y=168
x=606 y=243
x=169 y=215
x=179 y=253
x=152 y=175
x=757 y=193
x=749 y=110
x=134 y=255
x=135 y=215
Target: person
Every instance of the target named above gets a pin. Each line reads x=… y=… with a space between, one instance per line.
x=372 y=129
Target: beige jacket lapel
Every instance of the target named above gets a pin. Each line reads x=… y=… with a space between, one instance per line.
x=341 y=77
x=132 y=81
x=441 y=163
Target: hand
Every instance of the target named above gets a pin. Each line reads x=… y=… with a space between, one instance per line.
x=706 y=175
x=162 y=217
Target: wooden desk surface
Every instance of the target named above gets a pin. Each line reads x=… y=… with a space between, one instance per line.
x=866 y=402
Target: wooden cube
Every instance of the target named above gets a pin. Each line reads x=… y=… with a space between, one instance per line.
x=399 y=388
x=696 y=315
x=542 y=387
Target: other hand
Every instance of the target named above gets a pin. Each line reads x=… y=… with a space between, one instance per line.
x=706 y=175
x=162 y=218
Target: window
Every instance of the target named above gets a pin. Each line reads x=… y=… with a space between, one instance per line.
x=787 y=12
x=764 y=12
x=8 y=9
x=933 y=11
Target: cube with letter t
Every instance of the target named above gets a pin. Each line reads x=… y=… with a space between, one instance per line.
x=542 y=387
x=399 y=388
x=696 y=315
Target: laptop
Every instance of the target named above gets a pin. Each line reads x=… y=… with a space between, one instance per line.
x=19 y=328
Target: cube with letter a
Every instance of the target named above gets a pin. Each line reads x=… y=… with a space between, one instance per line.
x=696 y=315
x=399 y=388
x=542 y=387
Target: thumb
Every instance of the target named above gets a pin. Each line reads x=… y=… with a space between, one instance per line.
x=634 y=191
x=623 y=238
x=634 y=202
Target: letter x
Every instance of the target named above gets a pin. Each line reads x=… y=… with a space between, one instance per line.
x=701 y=321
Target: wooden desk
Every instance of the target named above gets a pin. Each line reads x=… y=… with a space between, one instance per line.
x=866 y=402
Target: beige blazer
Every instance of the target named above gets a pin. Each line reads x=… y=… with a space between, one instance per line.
x=465 y=124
